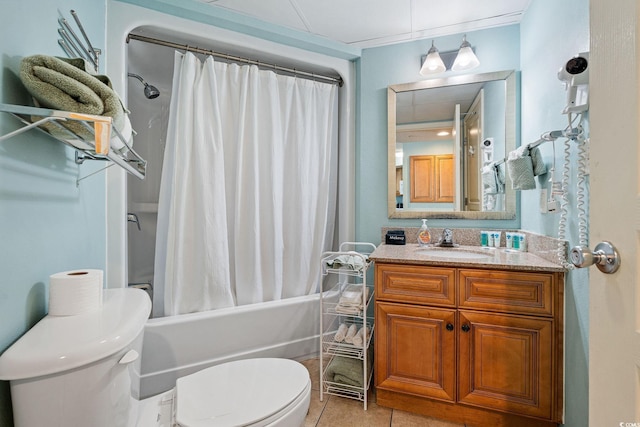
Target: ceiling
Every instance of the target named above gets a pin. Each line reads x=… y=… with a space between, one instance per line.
x=371 y=23
x=438 y=104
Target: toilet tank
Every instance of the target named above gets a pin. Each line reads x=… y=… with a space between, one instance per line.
x=81 y=370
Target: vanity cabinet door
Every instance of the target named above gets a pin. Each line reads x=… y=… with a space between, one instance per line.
x=415 y=284
x=505 y=363
x=507 y=291
x=415 y=350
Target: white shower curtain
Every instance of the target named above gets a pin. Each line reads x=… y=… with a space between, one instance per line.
x=249 y=184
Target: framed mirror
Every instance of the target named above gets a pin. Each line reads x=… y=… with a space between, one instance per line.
x=447 y=138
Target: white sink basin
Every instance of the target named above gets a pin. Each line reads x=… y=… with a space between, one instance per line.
x=454 y=253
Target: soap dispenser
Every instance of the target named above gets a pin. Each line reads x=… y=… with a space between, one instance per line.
x=424 y=235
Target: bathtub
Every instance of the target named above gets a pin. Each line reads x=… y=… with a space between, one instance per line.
x=176 y=346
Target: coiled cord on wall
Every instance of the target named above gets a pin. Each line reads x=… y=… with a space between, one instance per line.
x=583 y=171
x=564 y=203
x=581 y=191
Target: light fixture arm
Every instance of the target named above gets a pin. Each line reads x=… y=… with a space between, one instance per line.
x=465 y=43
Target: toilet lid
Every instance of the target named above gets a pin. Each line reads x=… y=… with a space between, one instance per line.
x=238 y=393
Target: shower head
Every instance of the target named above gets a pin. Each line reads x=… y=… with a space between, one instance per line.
x=150 y=91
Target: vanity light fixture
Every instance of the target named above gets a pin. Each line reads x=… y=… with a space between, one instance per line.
x=466 y=59
x=433 y=64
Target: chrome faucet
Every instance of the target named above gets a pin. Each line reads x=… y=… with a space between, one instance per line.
x=446 y=241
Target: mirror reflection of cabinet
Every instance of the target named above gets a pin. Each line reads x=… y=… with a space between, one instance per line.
x=432 y=178
x=473 y=158
x=445 y=179
x=399 y=189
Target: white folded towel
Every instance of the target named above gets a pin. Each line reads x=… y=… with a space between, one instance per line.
x=343 y=309
x=353 y=330
x=489 y=180
x=341 y=333
x=352 y=295
x=361 y=337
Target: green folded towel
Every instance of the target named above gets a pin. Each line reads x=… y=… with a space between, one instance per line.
x=64 y=84
x=344 y=370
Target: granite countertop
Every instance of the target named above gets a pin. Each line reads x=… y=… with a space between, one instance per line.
x=496 y=258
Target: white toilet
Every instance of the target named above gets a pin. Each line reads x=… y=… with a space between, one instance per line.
x=84 y=370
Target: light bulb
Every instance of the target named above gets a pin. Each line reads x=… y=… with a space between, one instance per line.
x=466 y=59
x=433 y=63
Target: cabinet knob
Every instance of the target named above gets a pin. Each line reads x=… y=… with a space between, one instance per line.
x=449 y=326
x=466 y=328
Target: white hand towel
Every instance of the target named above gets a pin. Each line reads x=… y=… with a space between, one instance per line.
x=489 y=180
x=361 y=337
x=353 y=330
x=341 y=333
x=499 y=178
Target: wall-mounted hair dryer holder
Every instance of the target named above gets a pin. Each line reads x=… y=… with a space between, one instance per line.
x=575 y=75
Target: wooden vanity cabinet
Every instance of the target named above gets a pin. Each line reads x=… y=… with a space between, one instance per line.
x=475 y=346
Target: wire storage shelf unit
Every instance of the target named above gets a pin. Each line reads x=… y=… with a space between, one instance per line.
x=126 y=158
x=346 y=347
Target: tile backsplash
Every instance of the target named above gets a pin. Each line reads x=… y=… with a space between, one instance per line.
x=543 y=246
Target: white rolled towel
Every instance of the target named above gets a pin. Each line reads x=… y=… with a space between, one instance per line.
x=361 y=337
x=341 y=333
x=353 y=330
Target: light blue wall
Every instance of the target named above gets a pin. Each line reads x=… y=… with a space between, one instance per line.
x=498 y=49
x=47 y=225
x=552 y=32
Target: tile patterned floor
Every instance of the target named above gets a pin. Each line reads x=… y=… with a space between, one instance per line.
x=337 y=411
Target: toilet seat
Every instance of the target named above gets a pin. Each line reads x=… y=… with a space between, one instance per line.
x=245 y=392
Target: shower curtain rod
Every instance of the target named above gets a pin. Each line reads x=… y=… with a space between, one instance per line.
x=265 y=65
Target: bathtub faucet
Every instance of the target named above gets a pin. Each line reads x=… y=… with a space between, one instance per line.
x=131 y=217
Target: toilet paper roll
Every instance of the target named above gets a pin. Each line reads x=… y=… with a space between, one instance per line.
x=75 y=292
